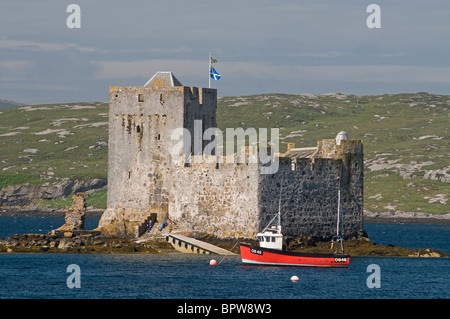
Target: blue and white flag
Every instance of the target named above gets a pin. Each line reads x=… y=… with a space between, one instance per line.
x=213 y=73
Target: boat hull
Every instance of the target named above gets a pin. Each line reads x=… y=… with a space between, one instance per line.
x=255 y=255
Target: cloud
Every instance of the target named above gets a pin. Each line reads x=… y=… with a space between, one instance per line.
x=15 y=66
x=182 y=50
x=328 y=54
x=146 y=68
x=14 y=70
x=263 y=70
x=376 y=73
x=350 y=73
x=43 y=46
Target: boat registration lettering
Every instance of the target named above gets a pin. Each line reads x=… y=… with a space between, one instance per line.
x=340 y=260
x=256 y=251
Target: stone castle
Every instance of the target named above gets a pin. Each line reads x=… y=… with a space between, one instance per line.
x=218 y=195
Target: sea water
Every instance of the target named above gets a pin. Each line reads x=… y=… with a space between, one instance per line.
x=187 y=276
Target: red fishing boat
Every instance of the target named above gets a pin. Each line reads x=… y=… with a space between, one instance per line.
x=270 y=250
x=272 y=257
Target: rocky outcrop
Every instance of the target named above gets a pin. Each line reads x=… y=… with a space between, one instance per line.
x=363 y=247
x=87 y=242
x=396 y=216
x=76 y=214
x=27 y=197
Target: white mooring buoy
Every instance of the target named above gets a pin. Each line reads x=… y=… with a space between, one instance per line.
x=294 y=278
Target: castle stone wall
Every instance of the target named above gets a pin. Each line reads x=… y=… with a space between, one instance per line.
x=309 y=197
x=140 y=165
x=221 y=200
x=217 y=195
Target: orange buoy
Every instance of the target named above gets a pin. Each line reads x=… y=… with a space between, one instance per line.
x=212 y=262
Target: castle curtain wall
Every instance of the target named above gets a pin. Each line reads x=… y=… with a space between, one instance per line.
x=217 y=195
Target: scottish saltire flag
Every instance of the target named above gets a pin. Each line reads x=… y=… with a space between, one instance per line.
x=213 y=73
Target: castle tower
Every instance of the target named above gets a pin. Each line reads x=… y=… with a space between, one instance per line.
x=140 y=165
x=154 y=128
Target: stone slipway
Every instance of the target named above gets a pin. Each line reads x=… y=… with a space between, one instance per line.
x=194 y=246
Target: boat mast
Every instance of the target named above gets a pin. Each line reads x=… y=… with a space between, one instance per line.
x=279 y=208
x=338 y=212
x=278 y=214
x=339 y=238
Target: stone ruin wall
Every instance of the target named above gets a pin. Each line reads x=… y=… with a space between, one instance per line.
x=232 y=200
x=309 y=199
x=219 y=199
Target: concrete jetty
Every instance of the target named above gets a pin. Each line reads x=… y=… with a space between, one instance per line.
x=190 y=245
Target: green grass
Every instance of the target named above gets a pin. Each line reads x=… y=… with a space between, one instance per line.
x=391 y=192
x=7 y=179
x=95 y=199
x=51 y=142
x=408 y=133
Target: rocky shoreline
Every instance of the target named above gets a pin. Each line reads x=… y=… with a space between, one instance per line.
x=92 y=242
x=88 y=242
x=73 y=238
x=406 y=217
x=14 y=198
x=364 y=247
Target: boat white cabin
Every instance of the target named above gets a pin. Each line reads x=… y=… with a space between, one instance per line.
x=271 y=238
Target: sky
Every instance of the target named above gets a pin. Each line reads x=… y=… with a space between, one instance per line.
x=264 y=46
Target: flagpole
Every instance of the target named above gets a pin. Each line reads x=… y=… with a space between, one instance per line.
x=209 y=70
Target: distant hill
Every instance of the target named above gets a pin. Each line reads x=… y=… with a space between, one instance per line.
x=405 y=140
x=405 y=136
x=7 y=103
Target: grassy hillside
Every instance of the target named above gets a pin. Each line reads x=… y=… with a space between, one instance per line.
x=405 y=140
x=50 y=142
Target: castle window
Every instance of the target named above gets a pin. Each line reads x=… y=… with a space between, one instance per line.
x=161 y=99
x=138 y=129
x=140 y=97
x=159 y=137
